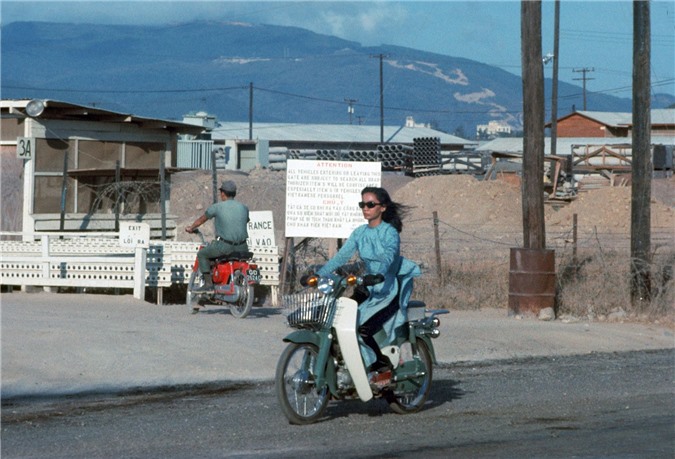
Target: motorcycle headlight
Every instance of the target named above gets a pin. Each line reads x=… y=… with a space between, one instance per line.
x=325 y=285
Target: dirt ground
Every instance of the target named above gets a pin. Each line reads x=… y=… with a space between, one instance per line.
x=478 y=222
x=460 y=200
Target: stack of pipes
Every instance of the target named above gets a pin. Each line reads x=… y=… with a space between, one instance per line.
x=426 y=157
x=363 y=156
x=331 y=155
x=302 y=154
x=394 y=157
x=278 y=157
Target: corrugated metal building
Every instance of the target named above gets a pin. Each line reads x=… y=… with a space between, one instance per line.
x=613 y=124
x=336 y=136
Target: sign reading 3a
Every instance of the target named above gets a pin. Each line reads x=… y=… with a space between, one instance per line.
x=24 y=147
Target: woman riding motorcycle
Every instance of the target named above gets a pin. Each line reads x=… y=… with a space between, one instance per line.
x=378 y=245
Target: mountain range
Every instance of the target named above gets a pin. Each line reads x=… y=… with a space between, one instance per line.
x=290 y=75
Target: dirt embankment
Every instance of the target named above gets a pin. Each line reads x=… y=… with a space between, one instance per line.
x=459 y=200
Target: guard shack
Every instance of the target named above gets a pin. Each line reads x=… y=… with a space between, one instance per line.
x=87 y=169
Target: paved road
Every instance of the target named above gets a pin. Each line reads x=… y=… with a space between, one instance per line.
x=597 y=405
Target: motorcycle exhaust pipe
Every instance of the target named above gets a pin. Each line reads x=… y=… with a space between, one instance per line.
x=408 y=377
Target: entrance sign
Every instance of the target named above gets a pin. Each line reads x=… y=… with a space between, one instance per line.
x=261 y=229
x=322 y=196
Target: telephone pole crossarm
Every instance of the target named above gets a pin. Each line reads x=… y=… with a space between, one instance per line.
x=584 y=78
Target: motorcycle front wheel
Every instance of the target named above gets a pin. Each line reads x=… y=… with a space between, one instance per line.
x=411 y=393
x=196 y=280
x=301 y=401
x=242 y=307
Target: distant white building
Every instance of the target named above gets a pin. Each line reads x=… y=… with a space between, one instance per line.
x=410 y=123
x=203 y=119
x=493 y=129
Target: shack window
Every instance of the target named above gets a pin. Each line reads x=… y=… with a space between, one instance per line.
x=96 y=195
x=11 y=128
x=143 y=155
x=47 y=198
x=102 y=194
x=49 y=155
x=98 y=155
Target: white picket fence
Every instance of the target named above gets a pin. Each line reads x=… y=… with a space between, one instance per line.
x=98 y=260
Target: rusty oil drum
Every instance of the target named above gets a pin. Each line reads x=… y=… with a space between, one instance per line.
x=531 y=281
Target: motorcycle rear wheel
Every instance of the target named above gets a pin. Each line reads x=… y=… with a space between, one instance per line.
x=410 y=395
x=243 y=306
x=301 y=401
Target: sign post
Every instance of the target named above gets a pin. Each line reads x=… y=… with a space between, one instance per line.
x=137 y=235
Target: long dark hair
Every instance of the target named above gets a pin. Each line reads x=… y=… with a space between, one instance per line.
x=395 y=212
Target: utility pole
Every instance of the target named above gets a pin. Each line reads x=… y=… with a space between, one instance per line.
x=381 y=57
x=534 y=234
x=641 y=171
x=250 y=111
x=554 y=90
x=584 y=71
x=350 y=108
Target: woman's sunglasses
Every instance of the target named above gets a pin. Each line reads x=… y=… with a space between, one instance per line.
x=369 y=204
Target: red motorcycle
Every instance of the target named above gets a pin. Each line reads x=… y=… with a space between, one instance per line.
x=234 y=277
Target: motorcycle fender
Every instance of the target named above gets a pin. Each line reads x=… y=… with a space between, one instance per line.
x=430 y=346
x=302 y=336
x=345 y=327
x=306 y=336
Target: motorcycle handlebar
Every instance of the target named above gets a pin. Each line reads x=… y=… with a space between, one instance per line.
x=198 y=233
x=369 y=279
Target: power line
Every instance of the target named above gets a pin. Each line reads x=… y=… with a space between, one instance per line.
x=324 y=100
x=126 y=91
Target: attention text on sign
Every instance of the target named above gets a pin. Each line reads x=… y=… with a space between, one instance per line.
x=322 y=196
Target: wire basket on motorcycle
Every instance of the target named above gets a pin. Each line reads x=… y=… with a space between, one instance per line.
x=308 y=308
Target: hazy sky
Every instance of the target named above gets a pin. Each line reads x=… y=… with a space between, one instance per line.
x=595 y=35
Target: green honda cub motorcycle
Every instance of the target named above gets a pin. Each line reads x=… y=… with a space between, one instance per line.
x=323 y=358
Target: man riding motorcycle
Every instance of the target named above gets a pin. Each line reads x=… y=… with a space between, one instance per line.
x=231 y=225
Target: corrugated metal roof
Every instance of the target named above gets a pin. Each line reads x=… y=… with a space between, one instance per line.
x=330 y=133
x=616 y=119
x=56 y=109
x=564 y=144
x=663 y=116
